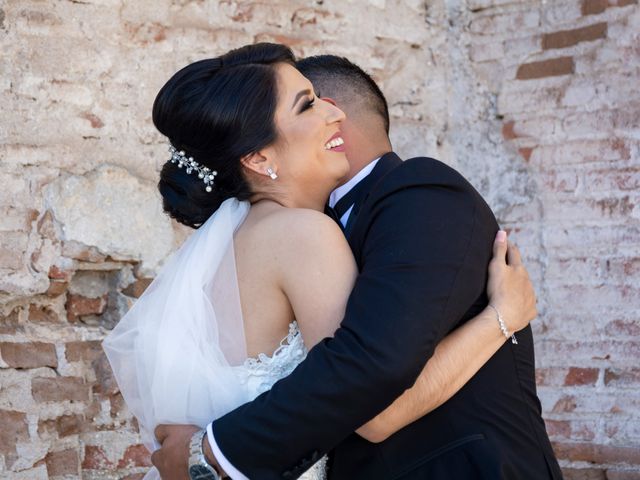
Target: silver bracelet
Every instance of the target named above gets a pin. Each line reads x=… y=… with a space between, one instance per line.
x=503 y=326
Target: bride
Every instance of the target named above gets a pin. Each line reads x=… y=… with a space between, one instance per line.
x=266 y=275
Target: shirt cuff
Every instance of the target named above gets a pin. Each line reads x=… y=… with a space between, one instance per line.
x=233 y=472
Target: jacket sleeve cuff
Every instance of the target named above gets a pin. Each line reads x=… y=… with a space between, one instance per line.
x=233 y=472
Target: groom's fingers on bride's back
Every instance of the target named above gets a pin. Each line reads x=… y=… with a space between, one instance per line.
x=500 y=247
x=513 y=255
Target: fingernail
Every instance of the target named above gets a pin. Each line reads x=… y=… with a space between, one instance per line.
x=501 y=236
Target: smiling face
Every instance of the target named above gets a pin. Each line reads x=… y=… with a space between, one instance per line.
x=308 y=155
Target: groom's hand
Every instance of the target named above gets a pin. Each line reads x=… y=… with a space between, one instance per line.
x=172 y=458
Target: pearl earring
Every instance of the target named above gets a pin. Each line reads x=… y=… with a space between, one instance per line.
x=271 y=173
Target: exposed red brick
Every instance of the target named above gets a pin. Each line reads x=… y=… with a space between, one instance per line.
x=558 y=428
x=65 y=462
x=78 y=306
x=594 y=453
x=624 y=3
x=64 y=425
x=581 y=376
x=619 y=145
x=135 y=456
x=593 y=7
x=622 y=378
x=525 y=153
x=137 y=288
x=58 y=273
x=582 y=432
x=631 y=266
x=631 y=474
x=10 y=323
x=94 y=120
x=43 y=314
x=29 y=355
x=627 y=180
x=95 y=459
x=56 y=288
x=93 y=409
x=83 y=351
x=507 y=130
x=546 y=68
x=584 y=474
x=105 y=381
x=243 y=12
x=59 y=389
x=308 y=16
x=568 y=38
x=14 y=429
x=117 y=405
x=566 y=403
x=615 y=206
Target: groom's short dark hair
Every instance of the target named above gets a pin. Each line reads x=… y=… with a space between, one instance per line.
x=334 y=76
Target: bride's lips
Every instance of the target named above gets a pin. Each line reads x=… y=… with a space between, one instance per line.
x=337 y=137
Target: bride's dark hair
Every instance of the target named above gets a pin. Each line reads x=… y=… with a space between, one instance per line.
x=218 y=111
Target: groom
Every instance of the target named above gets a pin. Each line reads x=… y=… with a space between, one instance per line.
x=422 y=238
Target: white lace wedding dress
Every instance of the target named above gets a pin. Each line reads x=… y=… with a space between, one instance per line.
x=260 y=373
x=179 y=355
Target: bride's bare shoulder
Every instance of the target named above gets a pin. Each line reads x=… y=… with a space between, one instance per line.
x=301 y=226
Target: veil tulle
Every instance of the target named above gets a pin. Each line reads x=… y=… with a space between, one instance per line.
x=173 y=353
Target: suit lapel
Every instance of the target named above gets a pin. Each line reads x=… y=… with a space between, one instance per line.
x=386 y=163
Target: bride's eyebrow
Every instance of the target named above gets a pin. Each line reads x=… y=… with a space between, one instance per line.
x=299 y=95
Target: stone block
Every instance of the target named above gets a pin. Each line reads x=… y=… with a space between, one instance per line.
x=622 y=378
x=83 y=351
x=14 y=429
x=505 y=23
x=59 y=389
x=594 y=7
x=138 y=287
x=29 y=354
x=136 y=227
x=95 y=458
x=12 y=250
x=568 y=38
x=546 y=68
x=581 y=376
x=135 y=456
x=65 y=462
x=63 y=425
x=78 y=306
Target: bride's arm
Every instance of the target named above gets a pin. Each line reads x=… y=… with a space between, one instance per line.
x=459 y=356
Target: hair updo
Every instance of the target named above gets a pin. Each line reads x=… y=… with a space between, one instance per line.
x=218 y=111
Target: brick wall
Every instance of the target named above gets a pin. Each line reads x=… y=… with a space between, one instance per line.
x=536 y=103
x=564 y=78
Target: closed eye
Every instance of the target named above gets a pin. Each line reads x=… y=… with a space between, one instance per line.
x=308 y=104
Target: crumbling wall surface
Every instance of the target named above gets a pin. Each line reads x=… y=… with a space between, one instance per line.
x=535 y=102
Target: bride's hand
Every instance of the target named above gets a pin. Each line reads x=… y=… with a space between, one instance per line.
x=509 y=288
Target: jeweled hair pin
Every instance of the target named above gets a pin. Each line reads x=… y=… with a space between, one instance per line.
x=204 y=173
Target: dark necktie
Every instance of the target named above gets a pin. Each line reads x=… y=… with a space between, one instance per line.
x=343 y=205
x=332 y=213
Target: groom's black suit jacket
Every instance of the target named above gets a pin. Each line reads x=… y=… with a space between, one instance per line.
x=422 y=238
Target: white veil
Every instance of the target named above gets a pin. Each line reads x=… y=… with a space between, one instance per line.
x=172 y=354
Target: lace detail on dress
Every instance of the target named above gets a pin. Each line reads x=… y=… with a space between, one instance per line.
x=259 y=374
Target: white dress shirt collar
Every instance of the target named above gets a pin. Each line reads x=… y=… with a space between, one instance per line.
x=342 y=190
